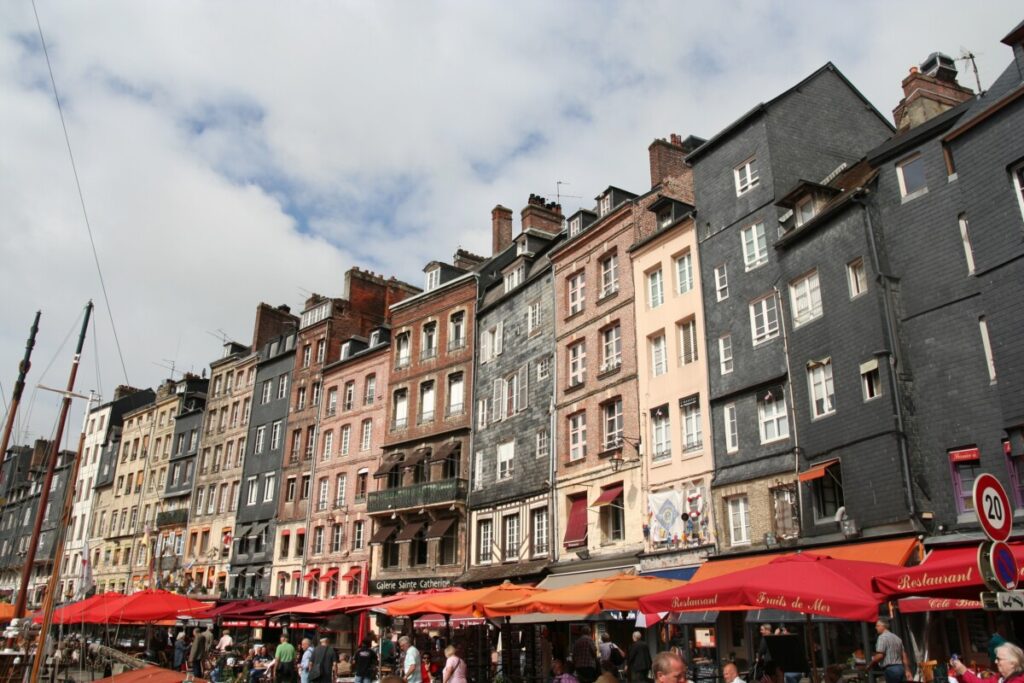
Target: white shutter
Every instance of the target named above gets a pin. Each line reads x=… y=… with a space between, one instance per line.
x=498 y=338
x=522 y=379
x=498 y=402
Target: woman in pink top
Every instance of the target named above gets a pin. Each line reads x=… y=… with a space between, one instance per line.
x=454 y=667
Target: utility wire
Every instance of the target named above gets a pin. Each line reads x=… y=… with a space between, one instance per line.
x=81 y=197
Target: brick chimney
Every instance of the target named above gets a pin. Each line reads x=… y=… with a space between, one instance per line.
x=668 y=159
x=542 y=215
x=928 y=91
x=272 y=322
x=466 y=260
x=501 y=229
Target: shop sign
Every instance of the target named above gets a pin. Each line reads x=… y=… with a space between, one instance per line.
x=392 y=586
x=965 y=455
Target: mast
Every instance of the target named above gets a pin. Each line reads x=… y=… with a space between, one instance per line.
x=19 y=386
x=44 y=494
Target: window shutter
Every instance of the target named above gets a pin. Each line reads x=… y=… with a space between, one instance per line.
x=523 y=378
x=499 y=338
x=498 y=404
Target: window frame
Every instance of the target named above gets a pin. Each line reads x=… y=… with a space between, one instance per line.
x=655 y=288
x=856 y=277
x=821 y=387
x=764 y=417
x=609 y=274
x=906 y=194
x=746 y=176
x=742 y=511
x=576 y=288
x=721 y=282
x=731 y=428
x=753 y=237
x=577 y=435
x=684 y=271
x=807 y=286
x=726 y=363
x=768 y=334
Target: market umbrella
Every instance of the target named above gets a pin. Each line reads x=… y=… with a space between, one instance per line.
x=317 y=607
x=144 y=607
x=945 y=572
x=72 y=613
x=805 y=582
x=619 y=592
x=462 y=603
x=228 y=608
x=6 y=611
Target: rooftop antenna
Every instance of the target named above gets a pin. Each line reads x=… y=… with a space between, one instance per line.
x=170 y=367
x=968 y=56
x=558 y=192
x=220 y=334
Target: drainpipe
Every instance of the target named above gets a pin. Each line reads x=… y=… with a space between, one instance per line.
x=890 y=334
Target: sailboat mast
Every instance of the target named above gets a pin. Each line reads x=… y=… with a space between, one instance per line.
x=51 y=465
x=19 y=386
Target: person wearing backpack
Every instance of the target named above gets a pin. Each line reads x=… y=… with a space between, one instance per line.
x=611 y=654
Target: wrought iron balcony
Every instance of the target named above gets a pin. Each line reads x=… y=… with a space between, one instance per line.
x=172 y=517
x=428 y=493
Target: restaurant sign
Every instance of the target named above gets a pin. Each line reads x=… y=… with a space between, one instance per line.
x=392 y=586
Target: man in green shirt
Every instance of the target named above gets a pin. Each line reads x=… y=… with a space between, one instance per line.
x=284 y=661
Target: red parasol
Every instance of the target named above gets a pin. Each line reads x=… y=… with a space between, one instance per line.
x=72 y=613
x=806 y=583
x=144 y=607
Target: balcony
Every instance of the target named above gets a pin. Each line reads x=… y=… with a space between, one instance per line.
x=428 y=493
x=172 y=518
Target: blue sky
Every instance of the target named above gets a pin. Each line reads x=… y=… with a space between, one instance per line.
x=236 y=153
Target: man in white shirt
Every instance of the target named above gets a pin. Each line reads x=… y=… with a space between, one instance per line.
x=225 y=642
x=731 y=674
x=411 y=670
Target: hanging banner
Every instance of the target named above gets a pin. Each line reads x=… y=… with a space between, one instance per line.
x=664 y=512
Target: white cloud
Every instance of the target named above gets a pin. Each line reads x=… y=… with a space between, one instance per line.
x=232 y=153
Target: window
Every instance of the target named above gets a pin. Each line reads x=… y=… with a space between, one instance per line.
x=755 y=247
x=300 y=398
x=764 y=319
x=304 y=487
x=771 y=414
x=612 y=518
x=609 y=275
x=655 y=289
x=693 y=439
x=805 y=297
x=539 y=532
x=402 y=350
x=289 y=490
x=732 y=433
x=337 y=537
x=275 y=436
x=856 y=277
x=661 y=438
x=805 y=210
x=543 y=443
x=510 y=538
x=870 y=380
x=514 y=278
x=577 y=292
x=1018 y=185
x=428 y=340
x=577 y=363
x=506 y=460
x=746 y=176
x=739 y=520
x=721 y=283
x=366 y=432
x=687 y=341
x=296 y=444
x=456 y=394
x=659 y=361
x=323 y=491
x=910 y=173
x=321 y=350
x=433 y=278
x=819 y=383
x=577 y=436
x=827 y=493
x=357 y=535
x=400 y=417
x=684 y=272
x=786 y=512
x=457 y=330
x=986 y=345
x=544 y=367
x=611 y=414
x=533 y=317
x=482 y=406
x=307 y=355
x=604 y=203
x=611 y=347
x=965 y=237
x=261 y=435
x=268 y=487
x=725 y=354
x=268 y=386
x=349 y=396
x=426 y=402
x=492 y=342
x=340 y=486
x=484 y=541
x=575 y=226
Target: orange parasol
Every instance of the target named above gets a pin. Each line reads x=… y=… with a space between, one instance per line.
x=6 y=611
x=619 y=592
x=463 y=603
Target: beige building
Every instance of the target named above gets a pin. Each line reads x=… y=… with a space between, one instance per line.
x=673 y=391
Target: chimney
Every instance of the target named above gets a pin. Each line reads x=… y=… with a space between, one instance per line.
x=929 y=91
x=668 y=159
x=542 y=215
x=272 y=322
x=501 y=229
x=465 y=260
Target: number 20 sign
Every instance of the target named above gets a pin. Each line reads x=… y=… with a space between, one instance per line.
x=993 y=507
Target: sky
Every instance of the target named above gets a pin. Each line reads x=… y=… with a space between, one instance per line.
x=237 y=152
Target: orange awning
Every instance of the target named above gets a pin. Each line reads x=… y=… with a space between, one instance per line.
x=818 y=471
x=463 y=603
x=895 y=552
x=352 y=573
x=608 y=496
x=576 y=526
x=329 y=574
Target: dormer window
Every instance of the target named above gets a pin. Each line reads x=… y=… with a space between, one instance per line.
x=665 y=217
x=804 y=210
x=575 y=226
x=521 y=247
x=514 y=278
x=374 y=337
x=433 y=278
x=604 y=204
x=346 y=349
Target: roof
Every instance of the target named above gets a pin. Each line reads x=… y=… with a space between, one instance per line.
x=726 y=132
x=915 y=136
x=1015 y=36
x=847 y=184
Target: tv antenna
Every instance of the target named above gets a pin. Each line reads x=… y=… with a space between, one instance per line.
x=558 y=192
x=968 y=56
x=168 y=364
x=220 y=334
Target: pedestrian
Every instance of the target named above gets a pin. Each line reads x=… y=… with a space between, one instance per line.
x=638 y=660
x=764 y=655
x=669 y=667
x=584 y=656
x=454 y=667
x=998 y=638
x=731 y=673
x=180 y=651
x=321 y=668
x=365 y=662
x=1009 y=662
x=412 y=670
x=890 y=654
x=284 y=661
x=225 y=642
x=610 y=652
x=197 y=652
x=387 y=651
x=304 y=661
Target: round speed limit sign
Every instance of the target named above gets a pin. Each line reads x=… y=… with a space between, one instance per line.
x=993 y=507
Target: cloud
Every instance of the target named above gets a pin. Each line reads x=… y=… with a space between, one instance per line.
x=236 y=153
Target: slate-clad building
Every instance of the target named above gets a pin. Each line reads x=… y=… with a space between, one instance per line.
x=509 y=499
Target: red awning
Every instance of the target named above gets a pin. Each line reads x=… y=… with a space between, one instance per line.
x=910 y=605
x=296 y=574
x=311 y=574
x=352 y=573
x=608 y=496
x=818 y=471
x=329 y=574
x=286 y=532
x=576 y=526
